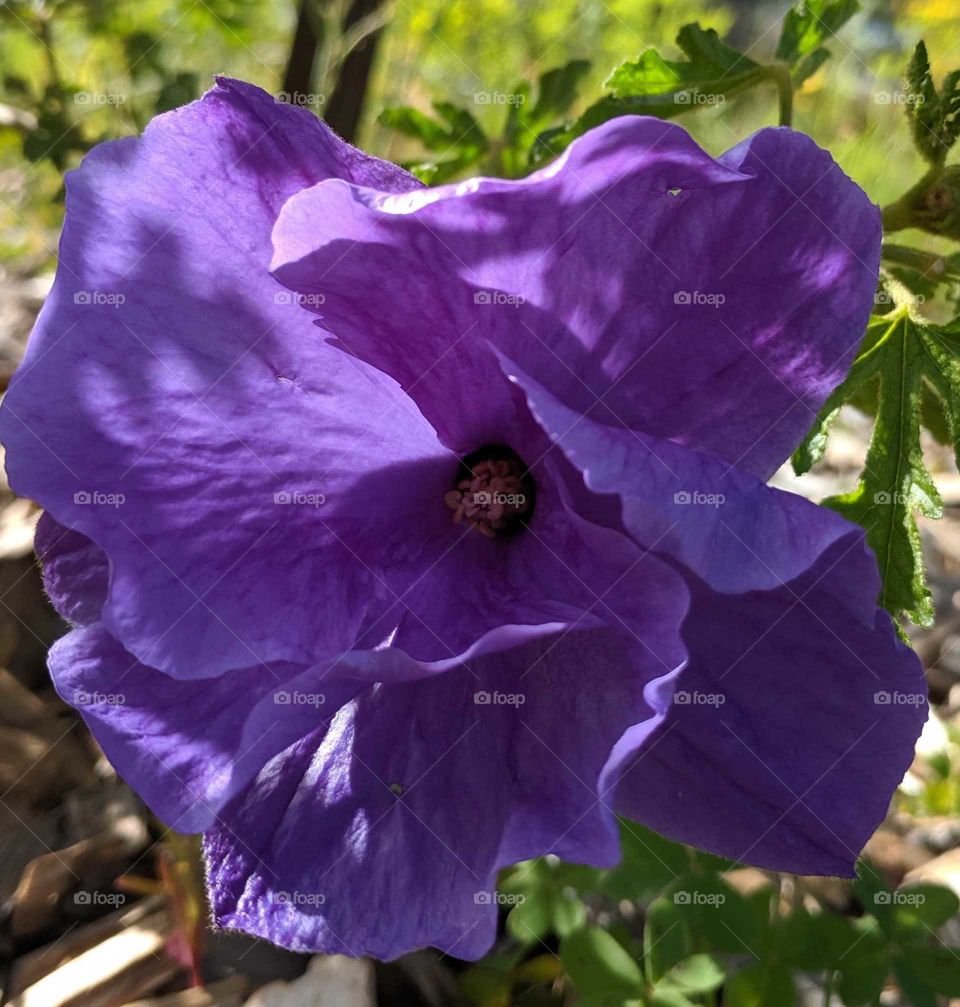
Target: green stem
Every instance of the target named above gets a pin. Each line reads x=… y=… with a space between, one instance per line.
x=902 y=212
x=779 y=73
x=828 y=988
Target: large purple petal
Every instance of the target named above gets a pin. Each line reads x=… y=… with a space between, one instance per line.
x=748 y=280
x=790 y=728
x=76 y=573
x=798 y=707
x=188 y=746
x=385 y=833
x=178 y=409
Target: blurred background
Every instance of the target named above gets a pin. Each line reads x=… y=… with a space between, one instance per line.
x=102 y=906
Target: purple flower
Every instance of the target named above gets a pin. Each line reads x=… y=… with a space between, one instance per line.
x=383 y=616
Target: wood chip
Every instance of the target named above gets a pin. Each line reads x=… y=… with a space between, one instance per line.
x=130 y=964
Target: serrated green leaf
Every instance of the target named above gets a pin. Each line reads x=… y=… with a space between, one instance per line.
x=598 y=964
x=653 y=85
x=712 y=70
x=811 y=23
x=557 y=90
x=902 y=354
x=934 y=116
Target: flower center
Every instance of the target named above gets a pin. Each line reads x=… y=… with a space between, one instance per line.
x=494 y=492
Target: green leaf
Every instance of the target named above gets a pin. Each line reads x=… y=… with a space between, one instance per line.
x=666 y=938
x=939 y=966
x=648 y=863
x=759 y=986
x=920 y=909
x=598 y=964
x=916 y=988
x=546 y=901
x=557 y=90
x=712 y=70
x=901 y=353
x=454 y=131
x=934 y=116
x=813 y=943
x=411 y=122
x=863 y=973
x=810 y=24
x=653 y=85
x=719 y=917
x=667 y=997
x=695 y=975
